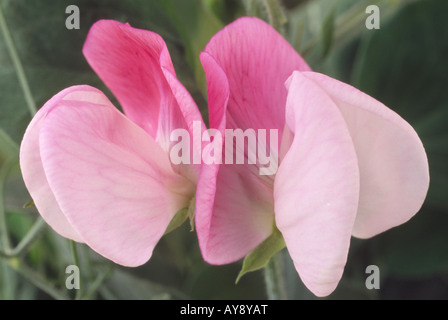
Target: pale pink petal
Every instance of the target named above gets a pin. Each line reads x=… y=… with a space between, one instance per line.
x=393 y=164
x=34 y=175
x=316 y=188
x=135 y=64
x=112 y=181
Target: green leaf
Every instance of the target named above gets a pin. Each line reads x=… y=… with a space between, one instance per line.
x=260 y=256
x=29 y=204
x=182 y=215
x=178 y=219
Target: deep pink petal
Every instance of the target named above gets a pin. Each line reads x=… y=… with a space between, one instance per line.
x=191 y=121
x=316 y=189
x=256 y=61
x=112 y=181
x=135 y=64
x=393 y=164
x=242 y=215
x=246 y=65
x=34 y=175
x=234 y=208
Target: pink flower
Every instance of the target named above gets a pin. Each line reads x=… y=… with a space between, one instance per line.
x=348 y=165
x=99 y=177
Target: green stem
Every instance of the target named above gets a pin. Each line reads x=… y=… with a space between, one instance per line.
x=74 y=253
x=35 y=232
x=100 y=279
x=107 y=294
x=5 y=243
x=274 y=280
x=276 y=17
x=17 y=64
x=7 y=275
x=37 y=279
x=6 y=281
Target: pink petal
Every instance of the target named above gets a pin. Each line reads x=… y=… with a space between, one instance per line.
x=246 y=65
x=234 y=208
x=242 y=218
x=112 y=181
x=256 y=61
x=316 y=189
x=393 y=164
x=34 y=175
x=135 y=64
x=190 y=116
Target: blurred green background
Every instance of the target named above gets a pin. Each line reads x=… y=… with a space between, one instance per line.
x=403 y=64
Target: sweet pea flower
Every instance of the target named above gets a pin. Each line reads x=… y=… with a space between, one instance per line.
x=102 y=178
x=348 y=165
